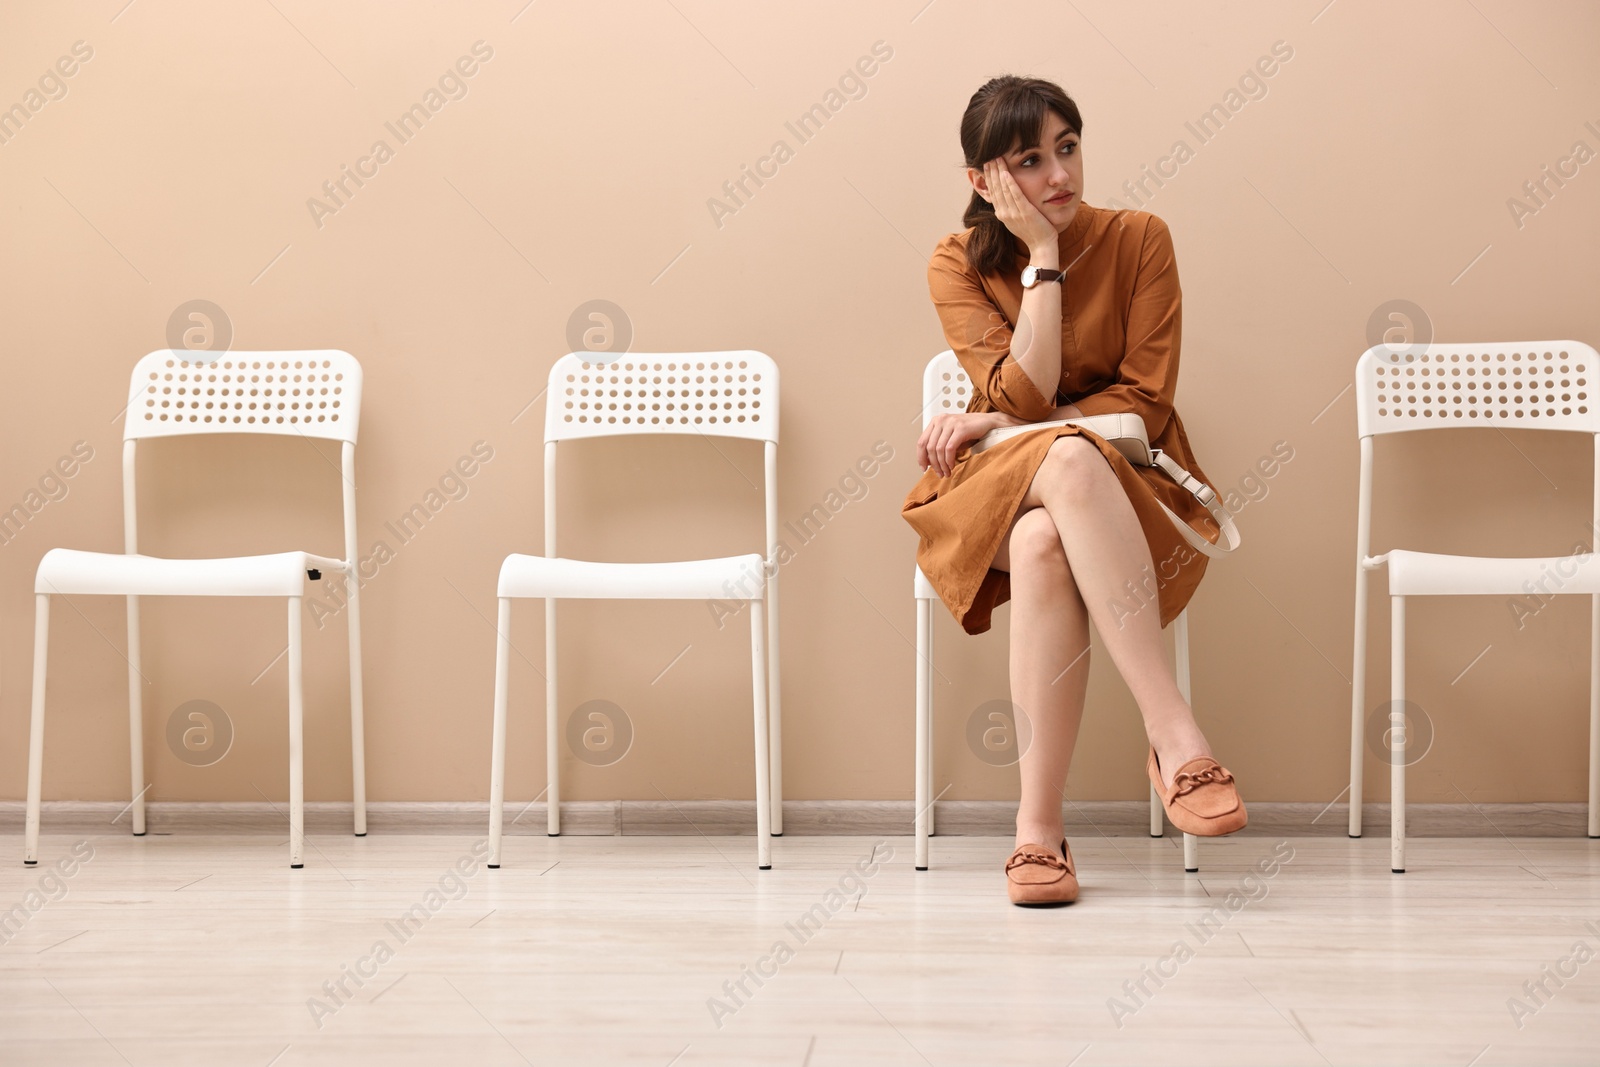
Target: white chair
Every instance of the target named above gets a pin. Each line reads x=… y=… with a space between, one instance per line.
x=1536 y=385
x=714 y=394
x=305 y=394
x=945 y=388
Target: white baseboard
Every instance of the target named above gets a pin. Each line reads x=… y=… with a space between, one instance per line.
x=1113 y=818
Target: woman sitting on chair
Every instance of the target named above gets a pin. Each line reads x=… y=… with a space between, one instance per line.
x=1059 y=310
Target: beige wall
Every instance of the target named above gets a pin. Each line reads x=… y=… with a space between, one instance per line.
x=1375 y=164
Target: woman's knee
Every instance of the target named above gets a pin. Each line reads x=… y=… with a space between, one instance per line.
x=1036 y=543
x=1073 y=459
x=1076 y=450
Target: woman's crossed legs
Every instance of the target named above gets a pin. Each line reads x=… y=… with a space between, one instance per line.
x=1073 y=544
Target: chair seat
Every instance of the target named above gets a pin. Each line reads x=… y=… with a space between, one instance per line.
x=65 y=570
x=1433 y=574
x=726 y=578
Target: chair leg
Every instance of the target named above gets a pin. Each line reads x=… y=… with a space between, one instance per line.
x=927 y=767
x=1594 y=716
x=497 y=757
x=1397 y=735
x=758 y=672
x=1180 y=655
x=136 y=718
x=358 y=745
x=552 y=728
x=297 y=833
x=1358 y=696
x=923 y=726
x=774 y=708
x=41 y=655
x=1158 y=823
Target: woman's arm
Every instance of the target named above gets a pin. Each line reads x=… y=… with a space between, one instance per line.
x=947 y=434
x=1006 y=365
x=1036 y=342
x=1065 y=411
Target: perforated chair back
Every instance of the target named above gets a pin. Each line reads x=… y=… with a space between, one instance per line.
x=945 y=390
x=722 y=394
x=945 y=387
x=309 y=393
x=1536 y=385
x=725 y=394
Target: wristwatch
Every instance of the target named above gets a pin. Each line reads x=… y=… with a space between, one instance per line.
x=1032 y=275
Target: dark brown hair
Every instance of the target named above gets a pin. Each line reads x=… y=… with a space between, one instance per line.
x=1005 y=112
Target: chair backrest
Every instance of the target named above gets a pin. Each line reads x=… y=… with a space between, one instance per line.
x=1539 y=385
x=309 y=394
x=725 y=394
x=314 y=393
x=945 y=388
x=717 y=394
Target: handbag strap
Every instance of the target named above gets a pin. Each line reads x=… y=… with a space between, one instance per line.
x=1229 y=538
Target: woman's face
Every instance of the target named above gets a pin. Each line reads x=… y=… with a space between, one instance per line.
x=1050 y=177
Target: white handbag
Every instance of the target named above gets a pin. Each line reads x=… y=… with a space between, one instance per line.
x=1124 y=431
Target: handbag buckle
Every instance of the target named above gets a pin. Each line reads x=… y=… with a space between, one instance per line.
x=1202 y=492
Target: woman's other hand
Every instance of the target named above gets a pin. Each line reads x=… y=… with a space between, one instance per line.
x=948 y=433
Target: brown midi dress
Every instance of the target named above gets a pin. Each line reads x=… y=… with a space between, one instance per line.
x=1121 y=321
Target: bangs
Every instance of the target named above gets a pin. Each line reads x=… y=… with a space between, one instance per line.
x=1016 y=121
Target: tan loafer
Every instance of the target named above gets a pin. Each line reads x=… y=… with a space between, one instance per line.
x=1035 y=875
x=1202 y=800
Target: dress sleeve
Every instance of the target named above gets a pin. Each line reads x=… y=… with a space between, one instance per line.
x=980 y=336
x=1147 y=377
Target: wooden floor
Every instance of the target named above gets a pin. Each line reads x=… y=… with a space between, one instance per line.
x=192 y=949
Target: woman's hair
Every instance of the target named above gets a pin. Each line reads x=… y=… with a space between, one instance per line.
x=1006 y=111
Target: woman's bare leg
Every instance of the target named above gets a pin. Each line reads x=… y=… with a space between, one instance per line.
x=1049 y=668
x=1104 y=547
x=1107 y=548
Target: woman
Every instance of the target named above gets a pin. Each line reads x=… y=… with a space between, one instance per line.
x=1058 y=519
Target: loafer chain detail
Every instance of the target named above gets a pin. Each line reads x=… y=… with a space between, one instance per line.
x=1187 y=781
x=1035 y=875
